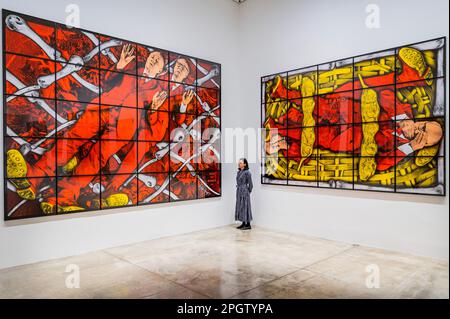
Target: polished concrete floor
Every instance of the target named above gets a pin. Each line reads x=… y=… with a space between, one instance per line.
x=228 y=263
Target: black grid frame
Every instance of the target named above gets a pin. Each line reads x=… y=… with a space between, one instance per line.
x=440 y=158
x=195 y=75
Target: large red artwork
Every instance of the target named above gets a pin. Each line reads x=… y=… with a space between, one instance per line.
x=95 y=122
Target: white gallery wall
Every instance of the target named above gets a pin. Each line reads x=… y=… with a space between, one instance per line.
x=202 y=28
x=278 y=36
x=255 y=38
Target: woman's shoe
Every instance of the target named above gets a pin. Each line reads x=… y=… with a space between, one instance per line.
x=246 y=226
x=242 y=226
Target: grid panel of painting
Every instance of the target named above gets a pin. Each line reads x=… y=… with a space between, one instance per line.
x=96 y=122
x=371 y=122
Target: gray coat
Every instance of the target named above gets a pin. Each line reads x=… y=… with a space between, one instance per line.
x=244 y=186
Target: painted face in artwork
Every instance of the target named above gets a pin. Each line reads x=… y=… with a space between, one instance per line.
x=180 y=70
x=422 y=133
x=154 y=64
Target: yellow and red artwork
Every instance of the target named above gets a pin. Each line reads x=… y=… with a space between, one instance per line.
x=95 y=122
x=370 y=122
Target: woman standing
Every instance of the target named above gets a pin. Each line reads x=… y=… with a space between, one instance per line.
x=244 y=187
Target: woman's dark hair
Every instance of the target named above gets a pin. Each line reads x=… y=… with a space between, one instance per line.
x=245 y=162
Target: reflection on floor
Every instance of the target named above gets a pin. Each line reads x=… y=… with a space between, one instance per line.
x=228 y=263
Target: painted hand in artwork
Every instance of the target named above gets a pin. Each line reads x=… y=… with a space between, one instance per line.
x=276 y=143
x=158 y=100
x=419 y=141
x=126 y=56
x=408 y=128
x=187 y=97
